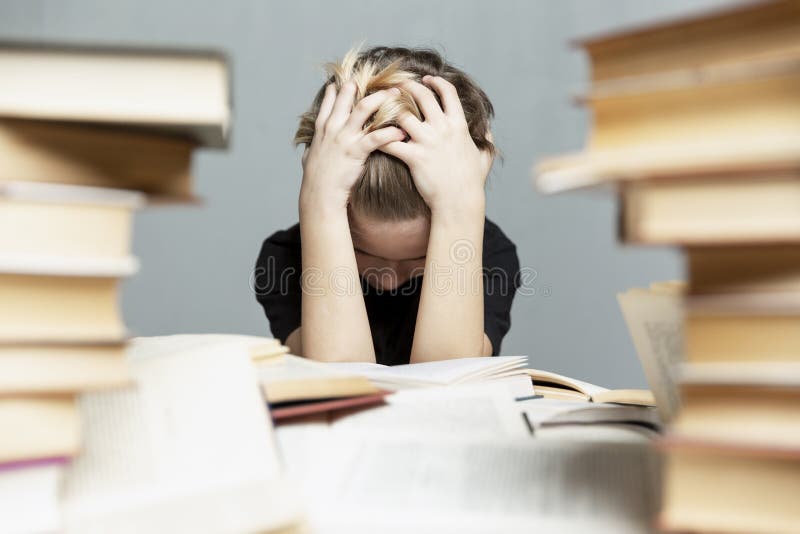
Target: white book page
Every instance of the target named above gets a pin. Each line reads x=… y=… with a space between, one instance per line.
x=655 y=323
x=465 y=411
x=189 y=449
x=439 y=372
x=290 y=367
x=606 y=434
x=460 y=485
x=30 y=499
x=552 y=411
x=470 y=411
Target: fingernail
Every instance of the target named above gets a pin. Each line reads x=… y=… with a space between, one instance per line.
x=394 y=91
x=427 y=78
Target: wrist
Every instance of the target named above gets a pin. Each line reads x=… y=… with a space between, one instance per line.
x=468 y=204
x=322 y=200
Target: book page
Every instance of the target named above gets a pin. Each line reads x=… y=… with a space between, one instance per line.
x=439 y=372
x=470 y=411
x=606 y=433
x=289 y=367
x=465 y=412
x=578 y=385
x=29 y=498
x=551 y=411
x=655 y=323
x=483 y=485
x=189 y=449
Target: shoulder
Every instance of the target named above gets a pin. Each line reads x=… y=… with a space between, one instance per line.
x=281 y=248
x=495 y=241
x=279 y=264
x=289 y=237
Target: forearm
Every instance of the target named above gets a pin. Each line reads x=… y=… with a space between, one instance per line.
x=450 y=317
x=334 y=318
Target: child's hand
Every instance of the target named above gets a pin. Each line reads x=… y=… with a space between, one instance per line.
x=448 y=168
x=333 y=162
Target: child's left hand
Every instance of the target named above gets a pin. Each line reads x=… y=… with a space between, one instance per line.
x=447 y=167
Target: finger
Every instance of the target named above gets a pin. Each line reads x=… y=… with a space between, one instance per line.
x=412 y=125
x=403 y=151
x=447 y=94
x=343 y=105
x=367 y=106
x=425 y=100
x=326 y=106
x=380 y=137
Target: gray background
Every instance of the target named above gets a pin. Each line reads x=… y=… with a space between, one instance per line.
x=197 y=262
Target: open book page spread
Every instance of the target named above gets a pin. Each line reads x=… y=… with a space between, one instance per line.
x=482 y=485
x=189 y=449
x=440 y=372
x=486 y=410
x=463 y=459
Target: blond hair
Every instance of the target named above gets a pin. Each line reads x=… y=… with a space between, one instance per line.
x=385 y=189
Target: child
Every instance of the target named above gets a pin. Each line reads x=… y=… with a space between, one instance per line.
x=397 y=151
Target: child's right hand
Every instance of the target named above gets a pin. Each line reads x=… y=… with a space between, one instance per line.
x=334 y=161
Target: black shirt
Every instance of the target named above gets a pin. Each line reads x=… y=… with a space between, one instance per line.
x=392 y=314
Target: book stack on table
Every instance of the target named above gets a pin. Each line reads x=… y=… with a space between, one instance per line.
x=87 y=135
x=697 y=126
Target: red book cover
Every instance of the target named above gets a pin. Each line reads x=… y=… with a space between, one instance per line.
x=282 y=413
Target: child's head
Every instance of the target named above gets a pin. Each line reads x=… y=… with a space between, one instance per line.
x=389 y=220
x=385 y=190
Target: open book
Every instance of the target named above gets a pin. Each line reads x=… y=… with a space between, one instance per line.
x=436 y=373
x=555 y=386
x=469 y=485
x=189 y=449
x=655 y=320
x=551 y=412
x=290 y=378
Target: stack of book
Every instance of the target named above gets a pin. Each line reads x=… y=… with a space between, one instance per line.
x=697 y=121
x=87 y=135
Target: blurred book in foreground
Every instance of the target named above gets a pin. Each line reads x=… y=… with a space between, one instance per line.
x=190 y=449
x=654 y=317
x=89 y=134
x=696 y=126
x=714 y=94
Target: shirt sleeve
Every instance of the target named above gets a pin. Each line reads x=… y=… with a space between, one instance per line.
x=500 y=284
x=276 y=282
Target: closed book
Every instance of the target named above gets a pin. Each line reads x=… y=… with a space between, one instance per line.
x=758 y=268
x=759 y=412
x=293 y=410
x=713 y=93
x=51 y=220
x=59 y=367
x=721 y=36
x=725 y=487
x=37 y=427
x=109 y=156
x=183 y=92
x=53 y=307
x=745 y=210
x=728 y=335
x=288 y=378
